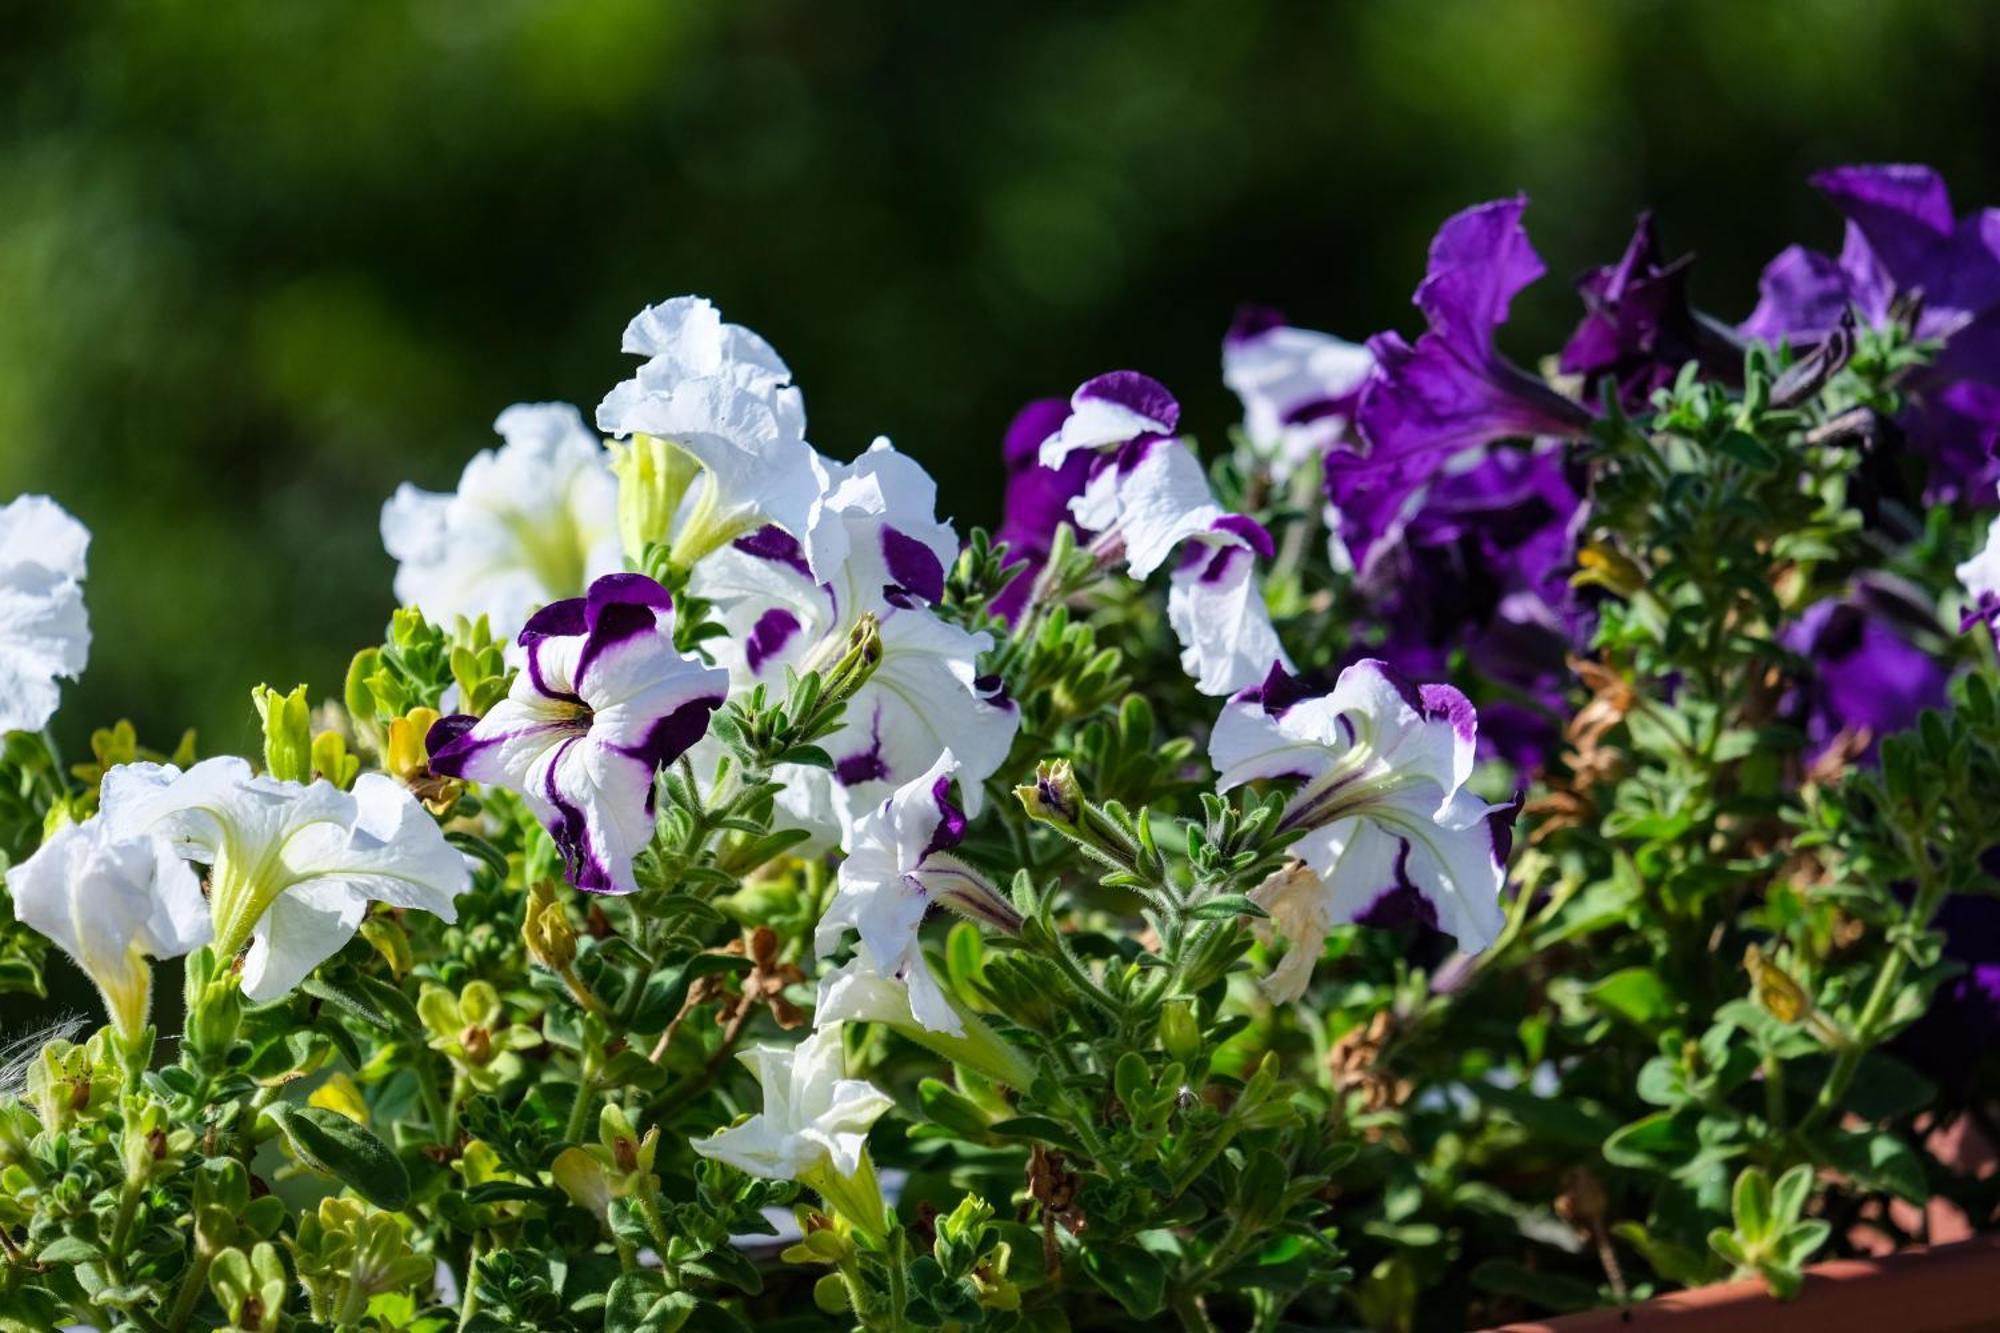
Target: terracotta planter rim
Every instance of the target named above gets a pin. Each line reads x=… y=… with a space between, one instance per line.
x=1941 y=1289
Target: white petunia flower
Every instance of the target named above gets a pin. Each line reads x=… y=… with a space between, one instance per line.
x=898 y=864
x=719 y=393
x=1389 y=825
x=112 y=902
x=292 y=868
x=531 y=522
x=1298 y=386
x=874 y=546
x=815 y=1119
x=604 y=701
x=1147 y=497
x=44 y=631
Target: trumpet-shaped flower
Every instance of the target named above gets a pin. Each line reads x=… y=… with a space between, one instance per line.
x=604 y=701
x=1903 y=241
x=899 y=863
x=111 y=902
x=1639 y=329
x=292 y=868
x=44 y=633
x=721 y=395
x=1298 y=387
x=873 y=547
x=1452 y=389
x=1388 y=824
x=815 y=1119
x=1148 y=497
x=531 y=522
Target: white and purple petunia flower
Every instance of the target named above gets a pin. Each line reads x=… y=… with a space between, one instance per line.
x=1980 y=577
x=722 y=395
x=44 y=631
x=1390 y=831
x=1147 y=498
x=1903 y=241
x=899 y=863
x=873 y=546
x=531 y=522
x=1299 y=387
x=603 y=701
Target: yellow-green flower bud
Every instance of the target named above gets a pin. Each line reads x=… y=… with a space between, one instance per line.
x=287 y=732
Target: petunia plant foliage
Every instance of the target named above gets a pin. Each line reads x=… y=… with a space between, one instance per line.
x=1498 y=831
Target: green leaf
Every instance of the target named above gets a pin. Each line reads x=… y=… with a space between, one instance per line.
x=1658 y=1142
x=1039 y=1127
x=1227 y=908
x=1635 y=994
x=640 y=1303
x=349 y=1001
x=1131 y=1276
x=68 y=1250
x=1751 y=1204
x=331 y=1143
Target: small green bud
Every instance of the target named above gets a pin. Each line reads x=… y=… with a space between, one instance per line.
x=546 y=928
x=1055 y=797
x=856 y=663
x=1180 y=1035
x=287 y=732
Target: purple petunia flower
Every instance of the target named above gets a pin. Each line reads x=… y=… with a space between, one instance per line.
x=1638 y=329
x=1037 y=498
x=1483 y=565
x=1452 y=389
x=604 y=700
x=1867 y=674
x=1902 y=240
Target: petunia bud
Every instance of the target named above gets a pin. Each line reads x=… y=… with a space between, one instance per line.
x=546 y=928
x=1180 y=1035
x=857 y=661
x=287 y=732
x=1055 y=797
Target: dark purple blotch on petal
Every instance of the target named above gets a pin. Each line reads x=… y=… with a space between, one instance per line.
x=618 y=609
x=451 y=745
x=1139 y=394
x=673 y=735
x=950 y=829
x=1281 y=690
x=773 y=543
x=914 y=567
x=768 y=637
x=1249 y=531
x=1448 y=704
x=866 y=765
x=1401 y=903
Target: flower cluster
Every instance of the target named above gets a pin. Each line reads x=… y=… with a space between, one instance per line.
x=683 y=728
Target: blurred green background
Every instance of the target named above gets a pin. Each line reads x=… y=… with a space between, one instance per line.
x=260 y=262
